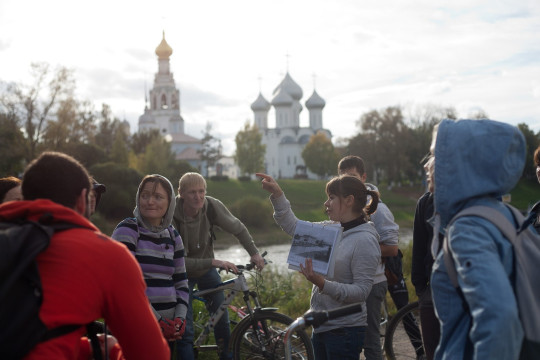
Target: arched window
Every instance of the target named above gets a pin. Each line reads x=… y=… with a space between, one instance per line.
x=164 y=104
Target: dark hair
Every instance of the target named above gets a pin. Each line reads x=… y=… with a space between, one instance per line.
x=55 y=176
x=156 y=179
x=6 y=184
x=352 y=161
x=537 y=156
x=346 y=185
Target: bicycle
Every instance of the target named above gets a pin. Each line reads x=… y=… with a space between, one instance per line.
x=258 y=335
x=403 y=337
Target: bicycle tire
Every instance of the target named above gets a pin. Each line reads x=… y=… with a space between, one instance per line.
x=271 y=326
x=402 y=340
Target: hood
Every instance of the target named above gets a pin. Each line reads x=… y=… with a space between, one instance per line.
x=474 y=159
x=167 y=219
x=44 y=209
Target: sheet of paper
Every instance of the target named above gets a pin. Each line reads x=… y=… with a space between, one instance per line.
x=315 y=241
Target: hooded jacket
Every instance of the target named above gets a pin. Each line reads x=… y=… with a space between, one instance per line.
x=476 y=162
x=87 y=276
x=356 y=258
x=160 y=253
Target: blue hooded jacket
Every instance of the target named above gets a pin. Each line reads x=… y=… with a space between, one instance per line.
x=476 y=162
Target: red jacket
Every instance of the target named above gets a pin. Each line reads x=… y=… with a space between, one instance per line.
x=88 y=276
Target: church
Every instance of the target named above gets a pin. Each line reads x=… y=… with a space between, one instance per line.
x=285 y=142
x=163 y=111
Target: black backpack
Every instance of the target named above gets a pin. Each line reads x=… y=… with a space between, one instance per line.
x=21 y=292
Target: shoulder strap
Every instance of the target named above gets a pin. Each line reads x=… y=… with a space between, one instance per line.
x=211 y=216
x=492 y=215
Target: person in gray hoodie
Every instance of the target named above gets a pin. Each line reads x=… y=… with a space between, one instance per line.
x=357 y=255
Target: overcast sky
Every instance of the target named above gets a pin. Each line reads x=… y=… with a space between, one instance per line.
x=359 y=55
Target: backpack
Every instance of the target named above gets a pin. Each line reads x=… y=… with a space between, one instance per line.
x=526 y=244
x=21 y=292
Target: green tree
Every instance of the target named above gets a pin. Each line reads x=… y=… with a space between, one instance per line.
x=532 y=140
x=320 y=156
x=210 y=151
x=12 y=146
x=141 y=139
x=250 y=151
x=32 y=106
x=390 y=135
x=109 y=130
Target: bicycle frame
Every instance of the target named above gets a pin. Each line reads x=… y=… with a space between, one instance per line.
x=231 y=288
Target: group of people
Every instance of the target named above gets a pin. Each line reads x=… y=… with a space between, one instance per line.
x=141 y=279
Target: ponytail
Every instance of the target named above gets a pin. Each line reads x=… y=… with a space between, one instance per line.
x=372 y=206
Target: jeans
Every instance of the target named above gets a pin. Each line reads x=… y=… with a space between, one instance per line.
x=222 y=333
x=342 y=343
x=372 y=343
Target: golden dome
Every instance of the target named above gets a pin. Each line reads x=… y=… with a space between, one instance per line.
x=163 y=50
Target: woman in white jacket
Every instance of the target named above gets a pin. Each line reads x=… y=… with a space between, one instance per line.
x=357 y=255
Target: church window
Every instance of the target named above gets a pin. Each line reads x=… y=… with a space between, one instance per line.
x=164 y=102
x=288 y=160
x=295 y=160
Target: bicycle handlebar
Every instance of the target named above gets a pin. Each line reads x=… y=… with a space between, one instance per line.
x=250 y=266
x=316 y=318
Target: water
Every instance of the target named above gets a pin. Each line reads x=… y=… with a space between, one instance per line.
x=277 y=254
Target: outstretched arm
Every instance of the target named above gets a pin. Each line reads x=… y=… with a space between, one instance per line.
x=269 y=184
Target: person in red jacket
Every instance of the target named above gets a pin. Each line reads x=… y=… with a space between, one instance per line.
x=85 y=274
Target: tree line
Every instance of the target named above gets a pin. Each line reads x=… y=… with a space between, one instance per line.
x=46 y=115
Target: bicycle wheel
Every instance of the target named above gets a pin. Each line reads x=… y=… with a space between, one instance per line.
x=403 y=338
x=265 y=341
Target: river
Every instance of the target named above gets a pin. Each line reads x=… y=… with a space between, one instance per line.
x=277 y=254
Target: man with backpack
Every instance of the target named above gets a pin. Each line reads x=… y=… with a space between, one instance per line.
x=194 y=218
x=83 y=274
x=475 y=162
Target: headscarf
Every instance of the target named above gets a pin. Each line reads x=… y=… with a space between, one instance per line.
x=167 y=219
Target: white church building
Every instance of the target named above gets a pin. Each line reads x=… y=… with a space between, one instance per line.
x=285 y=142
x=163 y=111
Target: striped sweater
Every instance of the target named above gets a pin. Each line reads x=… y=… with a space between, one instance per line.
x=161 y=257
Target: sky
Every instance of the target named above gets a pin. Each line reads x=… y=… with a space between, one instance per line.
x=359 y=55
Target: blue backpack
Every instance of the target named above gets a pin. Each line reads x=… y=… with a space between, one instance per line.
x=526 y=244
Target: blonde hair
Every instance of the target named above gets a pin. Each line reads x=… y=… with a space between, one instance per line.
x=189 y=180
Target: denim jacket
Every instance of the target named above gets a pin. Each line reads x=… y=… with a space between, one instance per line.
x=476 y=162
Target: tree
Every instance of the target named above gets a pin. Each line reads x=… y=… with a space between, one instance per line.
x=250 y=151
x=109 y=130
x=32 y=107
x=389 y=135
x=532 y=140
x=210 y=151
x=320 y=156
x=12 y=146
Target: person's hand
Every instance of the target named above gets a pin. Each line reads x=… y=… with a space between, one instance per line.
x=180 y=326
x=258 y=260
x=269 y=184
x=111 y=342
x=225 y=265
x=310 y=275
x=167 y=328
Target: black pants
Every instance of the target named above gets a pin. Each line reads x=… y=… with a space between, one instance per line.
x=400 y=296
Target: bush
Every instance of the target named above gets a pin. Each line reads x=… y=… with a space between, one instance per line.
x=244 y=178
x=253 y=212
x=219 y=178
